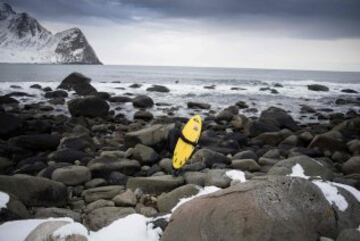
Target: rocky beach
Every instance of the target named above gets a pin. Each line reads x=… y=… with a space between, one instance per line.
x=76 y=166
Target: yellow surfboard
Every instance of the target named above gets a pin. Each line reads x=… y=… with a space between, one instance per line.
x=185 y=145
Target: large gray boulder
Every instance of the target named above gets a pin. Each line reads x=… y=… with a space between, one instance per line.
x=310 y=167
x=273 y=208
x=78 y=83
x=36 y=142
x=90 y=106
x=72 y=175
x=155 y=184
x=278 y=117
x=145 y=154
x=102 y=217
x=352 y=165
x=13 y=210
x=143 y=101
x=57 y=213
x=35 y=191
x=167 y=201
x=149 y=136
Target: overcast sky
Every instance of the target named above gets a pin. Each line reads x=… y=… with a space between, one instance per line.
x=292 y=34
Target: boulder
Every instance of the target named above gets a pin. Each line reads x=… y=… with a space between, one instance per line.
x=227 y=114
x=354 y=146
x=68 y=155
x=143 y=115
x=209 y=158
x=143 y=101
x=5 y=163
x=168 y=201
x=245 y=165
x=125 y=199
x=317 y=87
x=158 y=88
x=149 y=136
x=350 y=129
x=104 y=216
x=57 y=213
x=272 y=138
x=217 y=177
x=34 y=191
x=155 y=184
x=99 y=204
x=13 y=209
x=308 y=167
x=72 y=175
x=352 y=165
x=56 y=94
x=77 y=142
x=79 y=83
x=145 y=154
x=36 y=142
x=90 y=106
x=107 y=165
x=119 y=99
x=196 y=178
x=105 y=192
x=275 y=208
x=45 y=230
x=350 y=234
x=328 y=142
x=349 y=91
x=278 y=117
x=198 y=105
x=9 y=124
x=249 y=154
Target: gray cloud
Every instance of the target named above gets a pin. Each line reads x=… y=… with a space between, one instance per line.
x=299 y=18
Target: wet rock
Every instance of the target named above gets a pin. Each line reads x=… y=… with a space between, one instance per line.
x=245 y=155
x=105 y=192
x=135 y=86
x=125 y=199
x=143 y=101
x=242 y=104
x=35 y=86
x=95 y=182
x=278 y=206
x=354 y=146
x=36 y=142
x=34 y=191
x=210 y=87
x=102 y=217
x=166 y=165
x=7 y=100
x=317 y=87
x=350 y=129
x=168 y=201
x=309 y=166
x=57 y=101
x=103 y=95
x=352 y=165
x=79 y=83
x=245 y=165
x=198 y=105
x=119 y=99
x=350 y=234
x=106 y=165
x=78 y=142
x=10 y=124
x=272 y=138
x=227 y=114
x=278 y=117
x=307 y=109
x=72 y=175
x=145 y=154
x=143 y=115
x=88 y=106
x=330 y=141
x=5 y=163
x=149 y=136
x=155 y=184
x=349 y=91
x=158 y=88
x=68 y=155
x=117 y=178
x=56 y=94
x=57 y=213
x=209 y=158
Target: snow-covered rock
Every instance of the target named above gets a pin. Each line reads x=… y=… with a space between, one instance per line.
x=24 y=40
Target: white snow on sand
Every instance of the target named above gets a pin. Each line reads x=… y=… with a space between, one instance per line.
x=298 y=171
x=69 y=229
x=350 y=189
x=236 y=175
x=332 y=194
x=4 y=199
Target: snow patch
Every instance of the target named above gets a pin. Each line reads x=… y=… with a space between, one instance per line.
x=134 y=227
x=70 y=229
x=4 y=199
x=202 y=192
x=350 y=189
x=298 y=171
x=236 y=175
x=332 y=194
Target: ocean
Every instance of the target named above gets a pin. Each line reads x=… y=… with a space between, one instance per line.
x=187 y=84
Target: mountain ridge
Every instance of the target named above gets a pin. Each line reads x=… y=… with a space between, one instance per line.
x=24 y=40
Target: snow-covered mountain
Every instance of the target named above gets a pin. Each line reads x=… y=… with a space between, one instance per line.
x=24 y=40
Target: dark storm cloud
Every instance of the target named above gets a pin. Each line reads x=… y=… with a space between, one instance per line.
x=313 y=18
